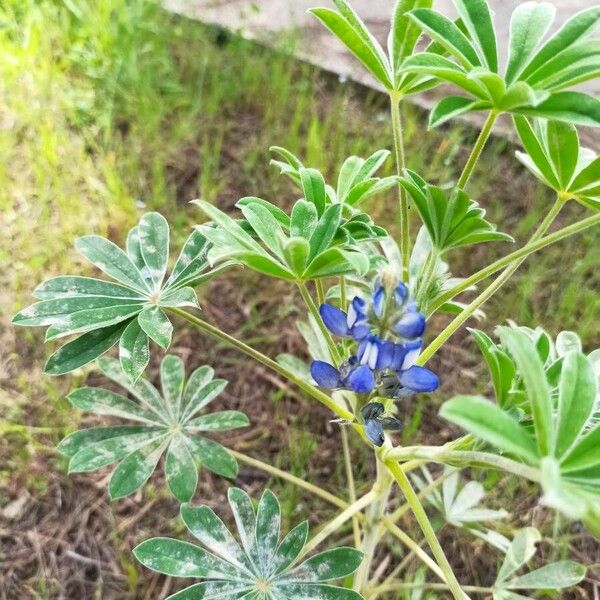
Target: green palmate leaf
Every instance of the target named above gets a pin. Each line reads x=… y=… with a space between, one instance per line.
x=555 y=576
x=260 y=561
x=451 y=222
x=521 y=551
x=84 y=349
x=490 y=423
x=441 y=29
x=404 y=32
x=325 y=231
x=451 y=107
x=303 y=220
x=103 y=313
x=134 y=351
x=528 y=362
x=313 y=186
x=529 y=23
x=162 y=423
x=266 y=227
x=155 y=323
x=576 y=400
x=571 y=107
x=350 y=30
x=477 y=19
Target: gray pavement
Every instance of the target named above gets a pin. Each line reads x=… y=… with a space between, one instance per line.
x=261 y=20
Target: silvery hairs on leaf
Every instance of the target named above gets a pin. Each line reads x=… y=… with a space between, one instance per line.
x=257 y=565
x=130 y=311
x=162 y=423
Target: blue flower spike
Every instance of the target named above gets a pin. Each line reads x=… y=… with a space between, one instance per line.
x=388 y=329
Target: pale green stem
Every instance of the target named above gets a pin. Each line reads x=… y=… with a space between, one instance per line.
x=523 y=252
x=350 y=482
x=336 y=523
x=343 y=299
x=508 y=272
x=477 y=149
x=311 y=390
x=423 y=521
x=301 y=483
x=403 y=196
x=314 y=311
x=463 y=458
x=395 y=587
x=320 y=291
x=373 y=522
x=426 y=275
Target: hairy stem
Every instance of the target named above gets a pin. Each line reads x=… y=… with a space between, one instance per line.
x=311 y=390
x=402 y=195
x=338 y=521
x=417 y=508
x=523 y=252
x=463 y=458
x=484 y=134
x=508 y=272
x=398 y=586
x=350 y=481
x=301 y=483
x=373 y=523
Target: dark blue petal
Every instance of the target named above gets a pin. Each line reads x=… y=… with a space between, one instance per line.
x=335 y=319
x=385 y=356
x=413 y=350
x=374 y=431
x=360 y=331
x=356 y=311
x=378 y=300
x=325 y=375
x=400 y=294
x=372 y=410
x=391 y=424
x=419 y=379
x=410 y=325
x=399 y=352
x=361 y=380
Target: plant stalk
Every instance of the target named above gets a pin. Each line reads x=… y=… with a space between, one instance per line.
x=508 y=272
x=395 y=100
x=350 y=482
x=483 y=137
x=373 y=523
x=417 y=508
x=398 y=586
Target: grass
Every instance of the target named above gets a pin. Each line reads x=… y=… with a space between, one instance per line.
x=113 y=107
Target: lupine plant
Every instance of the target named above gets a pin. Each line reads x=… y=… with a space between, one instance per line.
x=370 y=298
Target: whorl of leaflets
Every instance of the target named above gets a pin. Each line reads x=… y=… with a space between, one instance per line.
x=257 y=565
x=130 y=311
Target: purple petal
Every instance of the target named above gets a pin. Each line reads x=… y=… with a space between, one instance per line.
x=326 y=375
x=374 y=431
x=378 y=300
x=361 y=380
x=400 y=294
x=413 y=349
x=356 y=312
x=385 y=356
x=399 y=352
x=334 y=319
x=419 y=379
x=411 y=325
x=360 y=331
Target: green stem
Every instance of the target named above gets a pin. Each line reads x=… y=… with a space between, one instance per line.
x=477 y=149
x=426 y=275
x=508 y=272
x=398 y=586
x=343 y=299
x=402 y=195
x=338 y=521
x=320 y=291
x=421 y=516
x=301 y=483
x=350 y=481
x=373 y=522
x=463 y=458
x=516 y=255
x=311 y=390
x=314 y=311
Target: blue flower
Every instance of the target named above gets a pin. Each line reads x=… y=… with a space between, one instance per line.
x=374 y=431
x=376 y=424
x=351 y=375
x=352 y=324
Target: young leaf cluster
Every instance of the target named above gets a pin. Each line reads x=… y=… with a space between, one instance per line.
x=538 y=75
x=259 y=566
x=553 y=154
x=167 y=423
x=450 y=221
x=131 y=311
